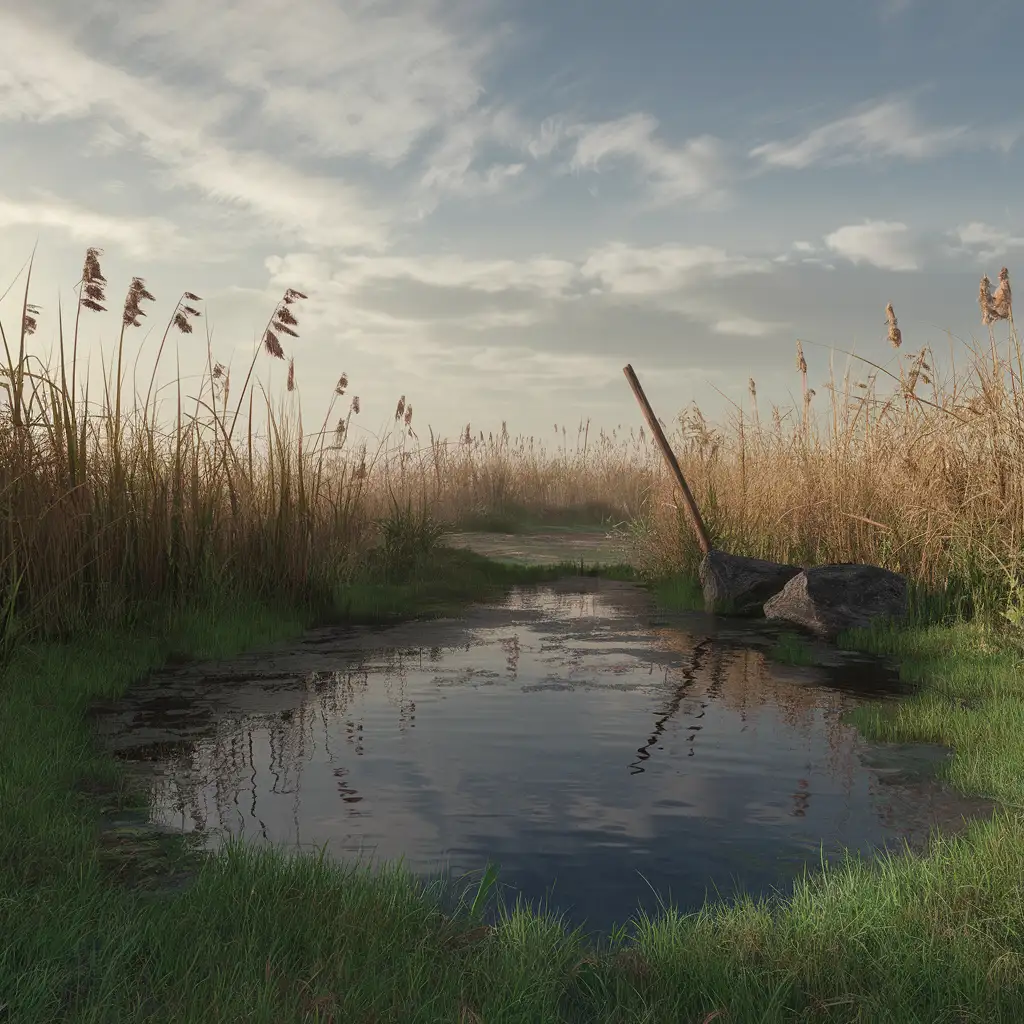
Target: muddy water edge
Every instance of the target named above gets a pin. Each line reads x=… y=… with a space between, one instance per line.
x=606 y=754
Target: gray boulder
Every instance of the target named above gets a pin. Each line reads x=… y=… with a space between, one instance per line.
x=739 y=585
x=830 y=598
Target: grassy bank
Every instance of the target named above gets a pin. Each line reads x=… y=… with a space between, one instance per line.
x=93 y=930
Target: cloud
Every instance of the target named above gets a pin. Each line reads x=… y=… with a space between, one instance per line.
x=625 y=270
x=696 y=168
x=880 y=243
x=141 y=237
x=745 y=327
x=540 y=274
x=986 y=242
x=370 y=80
x=451 y=166
x=47 y=78
x=887 y=129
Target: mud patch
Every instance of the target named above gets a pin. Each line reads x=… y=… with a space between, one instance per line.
x=592 y=547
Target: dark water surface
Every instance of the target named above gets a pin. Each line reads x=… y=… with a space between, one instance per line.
x=599 y=752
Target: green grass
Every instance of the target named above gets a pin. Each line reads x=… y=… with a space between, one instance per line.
x=678 y=593
x=791 y=649
x=89 y=931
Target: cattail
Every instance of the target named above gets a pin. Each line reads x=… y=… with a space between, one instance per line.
x=1002 y=301
x=291 y=374
x=895 y=335
x=133 y=302
x=989 y=313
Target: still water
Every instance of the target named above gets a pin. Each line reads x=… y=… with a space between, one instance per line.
x=602 y=756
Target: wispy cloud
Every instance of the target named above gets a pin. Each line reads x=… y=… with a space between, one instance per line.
x=141 y=237
x=540 y=274
x=880 y=243
x=48 y=78
x=746 y=327
x=370 y=80
x=625 y=270
x=890 y=128
x=696 y=168
x=986 y=242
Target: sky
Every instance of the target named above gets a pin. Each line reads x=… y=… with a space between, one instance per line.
x=494 y=206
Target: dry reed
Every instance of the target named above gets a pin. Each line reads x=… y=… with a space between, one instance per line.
x=101 y=507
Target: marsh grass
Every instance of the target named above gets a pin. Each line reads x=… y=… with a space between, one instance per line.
x=791 y=649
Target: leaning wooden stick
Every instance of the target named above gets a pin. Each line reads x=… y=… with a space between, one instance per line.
x=691 y=506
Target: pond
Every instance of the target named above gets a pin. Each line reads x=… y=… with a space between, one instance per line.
x=602 y=754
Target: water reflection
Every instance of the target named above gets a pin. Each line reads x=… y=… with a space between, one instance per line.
x=561 y=735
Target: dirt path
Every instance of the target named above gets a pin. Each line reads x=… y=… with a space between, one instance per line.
x=546 y=548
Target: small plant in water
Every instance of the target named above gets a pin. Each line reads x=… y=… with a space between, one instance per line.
x=790 y=649
x=483 y=890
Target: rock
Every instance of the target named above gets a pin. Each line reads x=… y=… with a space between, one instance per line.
x=830 y=598
x=740 y=586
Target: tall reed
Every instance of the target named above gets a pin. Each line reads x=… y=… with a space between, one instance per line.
x=912 y=468
x=104 y=507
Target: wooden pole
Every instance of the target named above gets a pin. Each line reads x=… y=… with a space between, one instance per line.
x=652 y=421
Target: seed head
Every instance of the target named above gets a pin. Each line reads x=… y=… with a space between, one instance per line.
x=895 y=335
x=291 y=374
x=801 y=363
x=92 y=296
x=986 y=301
x=339 y=388
x=400 y=409
x=184 y=311
x=272 y=345
x=354 y=408
x=1003 y=299
x=133 y=302
x=30 y=322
